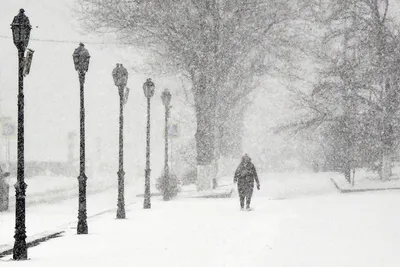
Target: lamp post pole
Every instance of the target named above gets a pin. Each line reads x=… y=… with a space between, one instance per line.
x=20 y=249
x=166 y=168
x=147 y=202
x=21 y=31
x=82 y=227
x=148 y=88
x=121 y=173
x=81 y=60
x=120 y=76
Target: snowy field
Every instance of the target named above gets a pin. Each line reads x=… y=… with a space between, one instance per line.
x=298 y=220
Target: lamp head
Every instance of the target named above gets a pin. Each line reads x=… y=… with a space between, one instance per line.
x=166 y=97
x=81 y=58
x=148 y=88
x=21 y=30
x=120 y=76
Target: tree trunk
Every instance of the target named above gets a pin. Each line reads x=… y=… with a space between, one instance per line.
x=347 y=171
x=391 y=107
x=386 y=165
x=387 y=143
x=205 y=134
x=348 y=157
x=207 y=176
x=231 y=139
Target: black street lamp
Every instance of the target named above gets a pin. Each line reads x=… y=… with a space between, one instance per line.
x=21 y=29
x=166 y=99
x=148 y=89
x=120 y=76
x=81 y=61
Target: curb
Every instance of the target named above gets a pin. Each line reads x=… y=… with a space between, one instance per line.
x=7 y=249
x=224 y=194
x=151 y=195
x=215 y=195
x=34 y=242
x=359 y=190
x=195 y=195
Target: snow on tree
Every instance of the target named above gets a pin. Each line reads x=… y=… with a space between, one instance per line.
x=208 y=40
x=357 y=88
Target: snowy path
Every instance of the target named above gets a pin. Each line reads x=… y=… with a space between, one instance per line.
x=303 y=228
x=318 y=231
x=49 y=189
x=278 y=186
x=342 y=230
x=51 y=216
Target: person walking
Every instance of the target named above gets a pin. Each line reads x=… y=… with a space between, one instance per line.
x=245 y=175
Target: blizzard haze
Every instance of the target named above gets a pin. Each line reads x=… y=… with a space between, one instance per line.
x=52 y=95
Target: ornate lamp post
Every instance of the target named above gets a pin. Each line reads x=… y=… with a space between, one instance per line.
x=166 y=98
x=81 y=61
x=21 y=29
x=120 y=76
x=148 y=89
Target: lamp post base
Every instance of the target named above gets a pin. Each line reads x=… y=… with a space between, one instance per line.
x=121 y=213
x=121 y=200
x=166 y=193
x=82 y=227
x=20 y=251
x=147 y=203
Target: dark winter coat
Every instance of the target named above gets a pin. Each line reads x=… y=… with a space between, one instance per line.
x=245 y=176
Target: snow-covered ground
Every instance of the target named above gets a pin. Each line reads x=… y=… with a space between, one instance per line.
x=52 y=203
x=298 y=220
x=369 y=180
x=47 y=189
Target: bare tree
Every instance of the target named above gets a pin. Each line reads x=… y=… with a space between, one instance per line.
x=206 y=39
x=358 y=84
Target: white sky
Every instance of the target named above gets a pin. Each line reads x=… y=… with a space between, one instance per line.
x=52 y=93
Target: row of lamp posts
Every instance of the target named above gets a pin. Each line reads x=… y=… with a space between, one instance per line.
x=21 y=32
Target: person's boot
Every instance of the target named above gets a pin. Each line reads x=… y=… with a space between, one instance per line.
x=248 y=201
x=248 y=207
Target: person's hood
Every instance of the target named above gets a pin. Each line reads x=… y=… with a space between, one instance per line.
x=246 y=158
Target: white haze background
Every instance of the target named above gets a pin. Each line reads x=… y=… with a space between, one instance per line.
x=300 y=215
x=52 y=96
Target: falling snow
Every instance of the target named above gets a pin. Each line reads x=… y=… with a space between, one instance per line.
x=150 y=112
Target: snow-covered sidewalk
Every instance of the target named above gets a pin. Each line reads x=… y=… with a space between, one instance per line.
x=49 y=189
x=334 y=230
x=176 y=233
x=366 y=181
x=52 y=204
x=53 y=216
x=298 y=220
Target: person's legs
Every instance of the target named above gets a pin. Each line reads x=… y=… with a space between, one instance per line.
x=248 y=198
x=241 y=196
